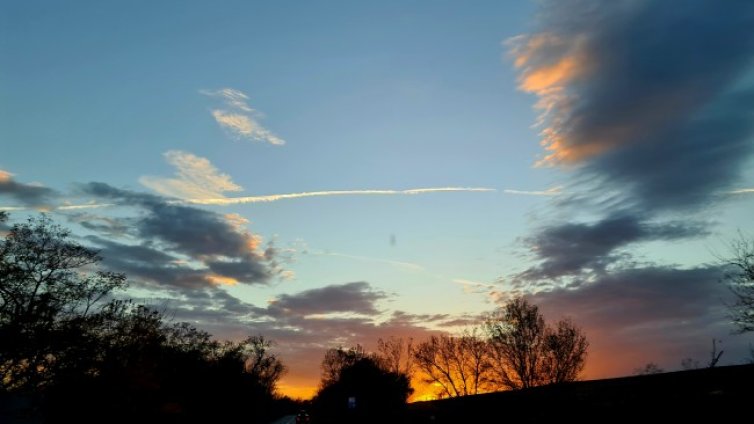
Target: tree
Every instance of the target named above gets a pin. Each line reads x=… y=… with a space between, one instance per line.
x=359 y=387
x=565 y=352
x=49 y=285
x=457 y=365
x=739 y=275
x=336 y=360
x=396 y=354
x=649 y=368
x=259 y=362
x=527 y=353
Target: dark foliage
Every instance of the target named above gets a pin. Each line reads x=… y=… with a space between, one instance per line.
x=362 y=390
x=71 y=353
x=739 y=276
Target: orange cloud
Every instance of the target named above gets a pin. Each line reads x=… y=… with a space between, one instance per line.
x=220 y=280
x=549 y=64
x=5 y=176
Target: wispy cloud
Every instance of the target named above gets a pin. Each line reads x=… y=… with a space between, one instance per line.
x=275 y=197
x=195 y=178
x=238 y=118
x=555 y=191
x=400 y=264
x=742 y=191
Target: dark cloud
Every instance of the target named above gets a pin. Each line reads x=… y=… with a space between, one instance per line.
x=356 y=297
x=572 y=248
x=227 y=253
x=651 y=99
x=26 y=194
x=247 y=268
x=112 y=227
x=149 y=267
x=637 y=315
x=300 y=339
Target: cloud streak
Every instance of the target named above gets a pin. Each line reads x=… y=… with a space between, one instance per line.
x=555 y=191
x=238 y=118
x=276 y=197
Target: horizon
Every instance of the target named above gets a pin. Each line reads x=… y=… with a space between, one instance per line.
x=330 y=173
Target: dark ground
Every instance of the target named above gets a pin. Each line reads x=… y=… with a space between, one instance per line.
x=715 y=395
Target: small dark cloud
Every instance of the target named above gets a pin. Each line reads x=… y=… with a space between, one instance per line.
x=112 y=227
x=30 y=195
x=356 y=297
x=131 y=253
x=247 y=268
x=572 y=248
x=402 y=318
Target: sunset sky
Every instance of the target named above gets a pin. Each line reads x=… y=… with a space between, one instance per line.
x=327 y=173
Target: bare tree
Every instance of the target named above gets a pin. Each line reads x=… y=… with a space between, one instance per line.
x=714 y=354
x=396 y=354
x=517 y=337
x=338 y=359
x=526 y=352
x=457 y=365
x=565 y=352
x=263 y=365
x=648 y=369
x=739 y=275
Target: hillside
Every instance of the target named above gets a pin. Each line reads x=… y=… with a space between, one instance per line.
x=717 y=393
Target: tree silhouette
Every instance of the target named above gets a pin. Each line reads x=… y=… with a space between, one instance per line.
x=82 y=356
x=739 y=275
x=357 y=387
x=527 y=353
x=458 y=366
x=338 y=359
x=49 y=286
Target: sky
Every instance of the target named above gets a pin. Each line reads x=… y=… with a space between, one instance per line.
x=327 y=173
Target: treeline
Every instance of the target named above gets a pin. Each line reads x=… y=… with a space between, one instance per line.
x=70 y=352
x=513 y=348
x=77 y=353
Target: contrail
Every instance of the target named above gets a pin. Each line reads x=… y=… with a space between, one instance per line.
x=742 y=191
x=276 y=197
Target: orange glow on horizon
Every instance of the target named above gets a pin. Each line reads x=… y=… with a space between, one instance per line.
x=297 y=392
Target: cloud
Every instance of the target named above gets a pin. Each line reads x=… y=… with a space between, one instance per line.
x=238 y=118
x=357 y=297
x=304 y=324
x=555 y=191
x=197 y=181
x=28 y=195
x=742 y=191
x=220 y=249
x=399 y=264
x=651 y=99
x=195 y=178
x=571 y=249
x=276 y=197
x=655 y=313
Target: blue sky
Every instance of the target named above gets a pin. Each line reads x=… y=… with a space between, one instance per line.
x=194 y=101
